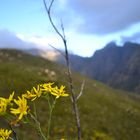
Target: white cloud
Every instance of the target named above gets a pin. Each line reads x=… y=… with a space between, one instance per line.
x=43 y=42
x=10 y=39
x=17 y=40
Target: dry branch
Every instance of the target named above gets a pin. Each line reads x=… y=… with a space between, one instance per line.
x=81 y=91
x=70 y=80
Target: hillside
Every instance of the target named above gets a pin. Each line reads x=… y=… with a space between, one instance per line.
x=113 y=113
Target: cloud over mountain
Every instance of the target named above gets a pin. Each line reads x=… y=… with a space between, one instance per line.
x=134 y=38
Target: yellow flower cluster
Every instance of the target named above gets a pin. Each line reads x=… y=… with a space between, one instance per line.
x=44 y=89
x=19 y=107
x=21 y=103
x=4 y=134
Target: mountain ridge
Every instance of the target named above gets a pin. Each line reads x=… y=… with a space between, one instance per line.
x=117 y=66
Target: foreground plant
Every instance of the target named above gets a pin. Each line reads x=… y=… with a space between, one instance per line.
x=4 y=103
x=4 y=134
x=20 y=109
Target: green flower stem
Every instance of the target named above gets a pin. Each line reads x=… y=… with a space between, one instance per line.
x=35 y=112
x=50 y=117
x=38 y=128
x=48 y=99
x=11 y=138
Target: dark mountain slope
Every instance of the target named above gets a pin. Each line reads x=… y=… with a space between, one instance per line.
x=114 y=65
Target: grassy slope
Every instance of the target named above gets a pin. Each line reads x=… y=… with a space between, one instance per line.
x=101 y=108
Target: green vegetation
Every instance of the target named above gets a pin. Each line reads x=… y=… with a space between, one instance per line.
x=106 y=114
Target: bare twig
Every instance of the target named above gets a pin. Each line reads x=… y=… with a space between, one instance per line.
x=70 y=80
x=57 y=50
x=63 y=30
x=50 y=5
x=81 y=91
x=48 y=10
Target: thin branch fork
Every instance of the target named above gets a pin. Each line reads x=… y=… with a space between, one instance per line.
x=48 y=10
x=81 y=91
x=57 y=50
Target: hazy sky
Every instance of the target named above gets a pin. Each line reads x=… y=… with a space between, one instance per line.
x=89 y=24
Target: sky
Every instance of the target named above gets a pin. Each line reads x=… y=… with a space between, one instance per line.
x=89 y=24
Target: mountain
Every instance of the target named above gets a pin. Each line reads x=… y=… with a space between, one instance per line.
x=117 y=66
x=106 y=112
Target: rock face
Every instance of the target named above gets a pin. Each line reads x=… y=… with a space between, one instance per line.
x=114 y=65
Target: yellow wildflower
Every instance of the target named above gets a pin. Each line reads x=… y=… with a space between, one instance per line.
x=4 y=134
x=35 y=93
x=30 y=95
x=10 y=97
x=4 y=102
x=47 y=87
x=3 y=106
x=54 y=90
x=22 y=108
x=59 y=92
